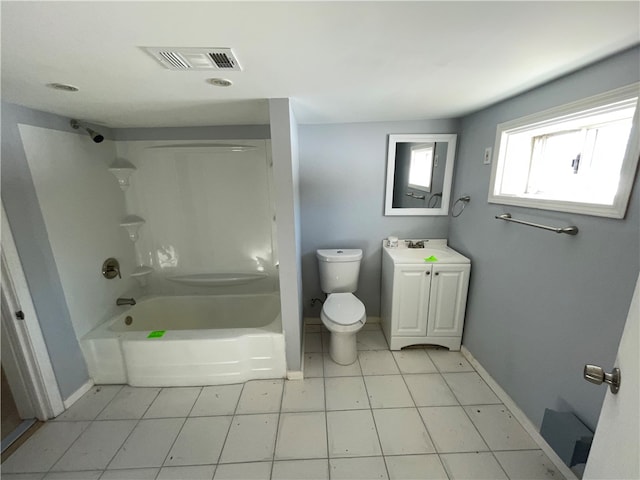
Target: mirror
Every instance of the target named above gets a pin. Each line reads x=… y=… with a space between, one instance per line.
x=419 y=174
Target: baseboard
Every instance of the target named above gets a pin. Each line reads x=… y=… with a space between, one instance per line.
x=519 y=415
x=295 y=375
x=75 y=396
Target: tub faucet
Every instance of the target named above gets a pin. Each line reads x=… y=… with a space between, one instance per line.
x=125 y=301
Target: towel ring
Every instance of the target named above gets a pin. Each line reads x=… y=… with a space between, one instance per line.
x=466 y=199
x=434 y=204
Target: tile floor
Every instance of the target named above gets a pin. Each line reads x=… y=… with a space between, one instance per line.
x=414 y=414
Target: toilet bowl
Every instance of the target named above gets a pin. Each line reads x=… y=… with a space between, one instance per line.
x=344 y=316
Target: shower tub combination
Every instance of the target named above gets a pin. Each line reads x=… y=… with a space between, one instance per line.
x=194 y=340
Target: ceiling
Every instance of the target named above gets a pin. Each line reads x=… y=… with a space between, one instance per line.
x=338 y=61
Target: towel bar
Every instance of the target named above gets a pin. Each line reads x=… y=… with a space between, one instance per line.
x=572 y=230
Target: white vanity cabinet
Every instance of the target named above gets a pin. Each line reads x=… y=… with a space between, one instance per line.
x=424 y=302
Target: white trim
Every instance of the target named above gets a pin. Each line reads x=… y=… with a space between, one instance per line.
x=389 y=210
x=295 y=374
x=519 y=415
x=627 y=173
x=75 y=396
x=34 y=356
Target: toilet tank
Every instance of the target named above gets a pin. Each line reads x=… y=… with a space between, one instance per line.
x=339 y=270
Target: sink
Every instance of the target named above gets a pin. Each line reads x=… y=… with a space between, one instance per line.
x=437 y=248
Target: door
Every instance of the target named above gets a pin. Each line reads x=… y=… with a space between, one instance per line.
x=411 y=284
x=615 y=452
x=447 y=302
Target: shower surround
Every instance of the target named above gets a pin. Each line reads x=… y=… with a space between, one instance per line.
x=210 y=310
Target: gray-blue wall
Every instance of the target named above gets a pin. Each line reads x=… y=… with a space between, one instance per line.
x=30 y=234
x=342 y=187
x=541 y=305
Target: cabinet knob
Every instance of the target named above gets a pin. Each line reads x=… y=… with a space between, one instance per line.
x=437 y=273
x=427 y=273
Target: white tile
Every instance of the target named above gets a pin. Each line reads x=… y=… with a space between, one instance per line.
x=371 y=340
x=332 y=369
x=524 y=465
x=200 y=441
x=82 y=475
x=22 y=476
x=414 y=361
x=377 y=362
x=251 y=438
x=499 y=429
x=430 y=390
x=129 y=403
x=470 y=389
x=260 y=396
x=313 y=342
x=302 y=435
x=402 y=432
x=200 y=472
x=244 y=471
x=346 y=393
x=131 y=474
x=451 y=430
x=412 y=467
x=447 y=361
x=303 y=395
x=300 y=470
x=326 y=340
x=352 y=434
x=313 y=365
x=148 y=444
x=173 y=402
x=371 y=468
x=217 y=400
x=388 y=391
x=476 y=465
x=44 y=448
x=97 y=445
x=91 y=403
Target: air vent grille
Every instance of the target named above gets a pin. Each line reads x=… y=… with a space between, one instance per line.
x=174 y=60
x=222 y=60
x=181 y=58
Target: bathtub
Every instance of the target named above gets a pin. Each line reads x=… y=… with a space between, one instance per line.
x=189 y=341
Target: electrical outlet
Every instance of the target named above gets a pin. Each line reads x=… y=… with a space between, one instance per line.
x=487 y=156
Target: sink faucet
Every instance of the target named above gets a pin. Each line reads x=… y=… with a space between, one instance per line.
x=417 y=244
x=125 y=301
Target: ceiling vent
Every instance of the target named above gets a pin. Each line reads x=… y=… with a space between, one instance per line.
x=181 y=58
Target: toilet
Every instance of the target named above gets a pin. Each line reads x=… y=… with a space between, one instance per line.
x=342 y=313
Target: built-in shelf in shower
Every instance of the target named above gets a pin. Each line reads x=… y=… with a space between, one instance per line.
x=141 y=273
x=132 y=224
x=122 y=170
x=217 y=279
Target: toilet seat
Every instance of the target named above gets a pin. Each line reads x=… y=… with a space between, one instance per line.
x=343 y=310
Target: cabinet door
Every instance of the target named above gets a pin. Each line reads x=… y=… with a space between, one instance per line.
x=448 y=299
x=411 y=299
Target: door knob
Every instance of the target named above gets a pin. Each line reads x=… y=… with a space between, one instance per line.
x=595 y=374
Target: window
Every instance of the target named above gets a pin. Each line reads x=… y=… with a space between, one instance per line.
x=421 y=166
x=577 y=158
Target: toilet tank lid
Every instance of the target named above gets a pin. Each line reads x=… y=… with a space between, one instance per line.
x=339 y=255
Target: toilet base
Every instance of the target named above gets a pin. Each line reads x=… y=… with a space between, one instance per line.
x=342 y=348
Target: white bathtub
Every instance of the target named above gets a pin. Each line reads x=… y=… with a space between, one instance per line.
x=207 y=340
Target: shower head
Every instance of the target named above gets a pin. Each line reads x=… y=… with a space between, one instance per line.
x=95 y=136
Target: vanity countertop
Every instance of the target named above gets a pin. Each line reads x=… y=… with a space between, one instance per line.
x=435 y=251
